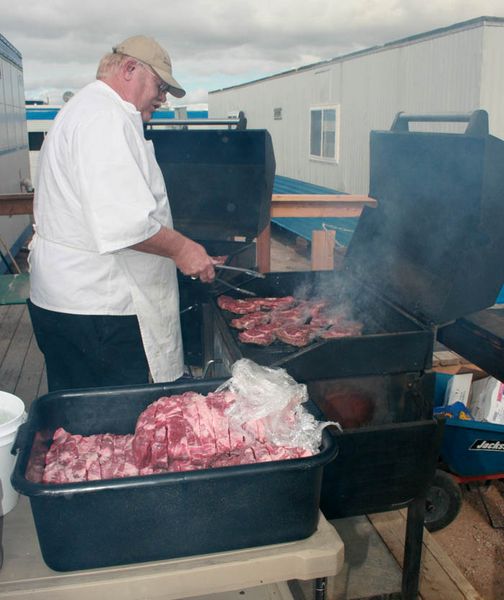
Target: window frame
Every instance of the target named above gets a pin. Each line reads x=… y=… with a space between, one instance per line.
x=35 y=140
x=322 y=109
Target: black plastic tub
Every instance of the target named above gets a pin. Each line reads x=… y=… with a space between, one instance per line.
x=123 y=521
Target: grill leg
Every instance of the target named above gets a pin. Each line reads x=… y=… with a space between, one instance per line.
x=413 y=549
x=320 y=588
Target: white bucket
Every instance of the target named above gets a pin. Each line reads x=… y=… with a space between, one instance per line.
x=12 y=415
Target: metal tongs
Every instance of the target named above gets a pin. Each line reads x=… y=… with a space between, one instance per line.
x=241 y=270
x=250 y=272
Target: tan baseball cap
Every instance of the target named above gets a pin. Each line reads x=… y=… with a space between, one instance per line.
x=151 y=53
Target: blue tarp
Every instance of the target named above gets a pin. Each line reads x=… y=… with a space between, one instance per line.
x=303 y=226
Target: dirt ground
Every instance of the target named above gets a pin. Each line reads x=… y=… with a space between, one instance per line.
x=477 y=547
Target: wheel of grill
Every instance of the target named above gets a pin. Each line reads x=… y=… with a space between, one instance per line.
x=443 y=501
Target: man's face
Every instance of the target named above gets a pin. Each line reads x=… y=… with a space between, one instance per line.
x=150 y=91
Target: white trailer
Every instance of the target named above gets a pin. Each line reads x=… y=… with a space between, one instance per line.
x=14 y=157
x=320 y=115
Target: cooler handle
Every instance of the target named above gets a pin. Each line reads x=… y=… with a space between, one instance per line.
x=477 y=121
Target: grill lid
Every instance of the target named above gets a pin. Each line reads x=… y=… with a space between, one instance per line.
x=434 y=245
x=219 y=181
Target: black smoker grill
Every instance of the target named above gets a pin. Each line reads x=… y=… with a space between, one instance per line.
x=428 y=254
x=219 y=183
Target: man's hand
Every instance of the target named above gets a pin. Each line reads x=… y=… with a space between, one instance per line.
x=191 y=258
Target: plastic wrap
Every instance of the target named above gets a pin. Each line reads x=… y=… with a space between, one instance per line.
x=273 y=397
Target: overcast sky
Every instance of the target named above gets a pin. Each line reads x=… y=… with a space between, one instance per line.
x=213 y=43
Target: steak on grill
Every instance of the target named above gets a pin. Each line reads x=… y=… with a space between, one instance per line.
x=242 y=306
x=250 y=320
x=292 y=316
x=288 y=320
x=295 y=335
x=238 y=306
x=280 y=303
x=262 y=335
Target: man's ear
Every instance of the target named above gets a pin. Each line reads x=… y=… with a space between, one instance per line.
x=128 y=67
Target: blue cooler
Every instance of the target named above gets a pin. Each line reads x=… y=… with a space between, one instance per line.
x=473 y=448
x=470 y=448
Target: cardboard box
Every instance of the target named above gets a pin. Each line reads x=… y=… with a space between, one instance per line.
x=487 y=402
x=458 y=389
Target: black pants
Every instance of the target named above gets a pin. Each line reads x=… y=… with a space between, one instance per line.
x=89 y=350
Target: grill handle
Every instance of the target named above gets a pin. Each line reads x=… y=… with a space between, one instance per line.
x=477 y=121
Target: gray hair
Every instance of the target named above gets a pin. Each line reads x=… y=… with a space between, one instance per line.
x=109 y=64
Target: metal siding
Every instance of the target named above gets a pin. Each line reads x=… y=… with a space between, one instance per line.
x=14 y=160
x=4 y=142
x=492 y=79
x=452 y=71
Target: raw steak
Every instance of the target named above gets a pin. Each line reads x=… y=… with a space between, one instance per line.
x=243 y=306
x=261 y=335
x=276 y=303
x=251 y=320
x=291 y=316
x=175 y=433
x=238 y=306
x=295 y=335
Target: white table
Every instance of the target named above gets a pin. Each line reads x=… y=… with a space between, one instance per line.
x=24 y=575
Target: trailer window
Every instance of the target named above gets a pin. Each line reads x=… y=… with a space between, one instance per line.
x=323 y=133
x=35 y=139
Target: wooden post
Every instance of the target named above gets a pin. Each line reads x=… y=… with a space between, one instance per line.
x=263 y=250
x=16 y=204
x=322 y=250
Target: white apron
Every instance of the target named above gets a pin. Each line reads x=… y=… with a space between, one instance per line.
x=154 y=289
x=157 y=309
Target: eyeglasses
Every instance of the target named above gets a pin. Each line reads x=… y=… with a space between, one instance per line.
x=163 y=87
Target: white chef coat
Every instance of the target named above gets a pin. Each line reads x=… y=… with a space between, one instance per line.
x=100 y=190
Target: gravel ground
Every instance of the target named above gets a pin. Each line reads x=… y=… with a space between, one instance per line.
x=477 y=547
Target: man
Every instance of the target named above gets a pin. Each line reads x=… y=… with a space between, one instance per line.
x=104 y=298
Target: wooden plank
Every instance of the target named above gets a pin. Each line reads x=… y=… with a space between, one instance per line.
x=16 y=204
x=440 y=578
x=15 y=353
x=31 y=374
x=11 y=315
x=263 y=250
x=356 y=199
x=319 y=205
x=322 y=251
x=309 y=205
